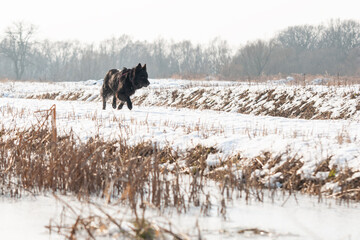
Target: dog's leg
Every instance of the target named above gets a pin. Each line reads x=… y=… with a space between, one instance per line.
x=114 y=102
x=129 y=103
x=121 y=105
x=103 y=96
x=104 y=104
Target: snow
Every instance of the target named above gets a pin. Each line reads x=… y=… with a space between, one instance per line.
x=282 y=81
x=330 y=102
x=285 y=218
x=318 y=81
x=183 y=128
x=27 y=218
x=231 y=133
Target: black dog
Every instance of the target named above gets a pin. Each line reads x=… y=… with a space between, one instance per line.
x=122 y=84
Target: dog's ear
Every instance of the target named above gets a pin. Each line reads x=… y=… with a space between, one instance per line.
x=144 y=67
x=138 y=67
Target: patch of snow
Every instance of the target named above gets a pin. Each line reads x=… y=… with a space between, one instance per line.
x=320 y=81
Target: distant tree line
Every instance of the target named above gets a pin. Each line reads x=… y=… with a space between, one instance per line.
x=331 y=48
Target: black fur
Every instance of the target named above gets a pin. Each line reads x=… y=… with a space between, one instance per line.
x=122 y=84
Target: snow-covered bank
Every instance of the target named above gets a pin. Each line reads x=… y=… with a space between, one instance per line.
x=311 y=141
x=307 y=102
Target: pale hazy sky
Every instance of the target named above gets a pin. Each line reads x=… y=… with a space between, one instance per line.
x=196 y=20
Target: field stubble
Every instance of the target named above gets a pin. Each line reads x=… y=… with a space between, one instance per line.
x=145 y=175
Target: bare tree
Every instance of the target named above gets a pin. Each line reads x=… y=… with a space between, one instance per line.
x=344 y=35
x=159 y=61
x=254 y=57
x=331 y=48
x=294 y=48
x=17 y=45
x=339 y=43
x=111 y=49
x=181 y=56
x=300 y=38
x=218 y=53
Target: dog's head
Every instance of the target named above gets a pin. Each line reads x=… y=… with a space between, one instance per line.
x=141 y=77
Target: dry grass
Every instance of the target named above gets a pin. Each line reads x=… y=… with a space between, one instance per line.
x=302 y=80
x=30 y=160
x=299 y=79
x=139 y=176
x=143 y=175
x=109 y=224
x=5 y=80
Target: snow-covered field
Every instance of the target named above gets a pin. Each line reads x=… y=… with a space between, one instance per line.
x=173 y=113
x=271 y=99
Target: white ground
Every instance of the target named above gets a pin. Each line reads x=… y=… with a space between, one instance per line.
x=302 y=219
x=230 y=132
